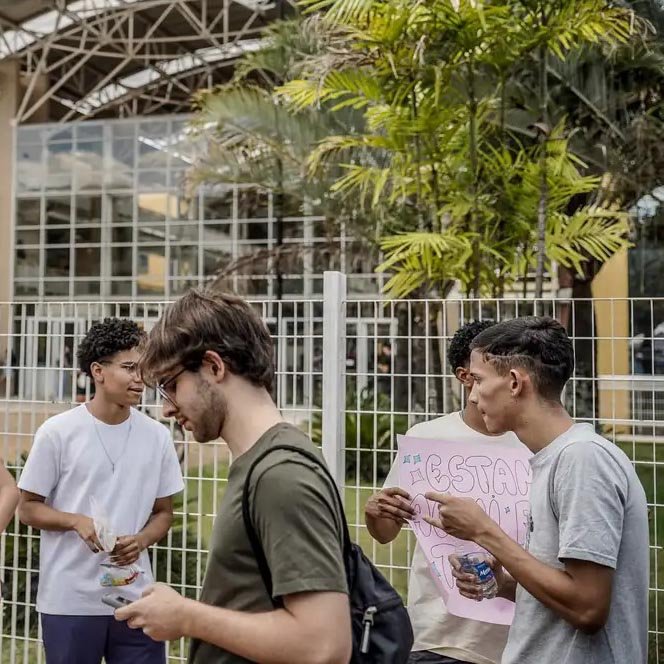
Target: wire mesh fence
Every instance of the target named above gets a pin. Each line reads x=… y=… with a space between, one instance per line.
x=353 y=374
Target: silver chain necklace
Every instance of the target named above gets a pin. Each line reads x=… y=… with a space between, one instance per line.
x=103 y=447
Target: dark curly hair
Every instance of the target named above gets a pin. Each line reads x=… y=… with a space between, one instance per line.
x=107 y=338
x=458 y=353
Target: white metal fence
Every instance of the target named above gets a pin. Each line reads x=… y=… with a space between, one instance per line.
x=353 y=374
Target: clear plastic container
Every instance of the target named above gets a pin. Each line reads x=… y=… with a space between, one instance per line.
x=473 y=559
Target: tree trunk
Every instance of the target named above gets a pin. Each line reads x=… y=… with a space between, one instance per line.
x=544 y=193
x=577 y=315
x=474 y=167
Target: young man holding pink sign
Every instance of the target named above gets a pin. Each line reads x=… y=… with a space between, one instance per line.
x=440 y=637
x=581 y=585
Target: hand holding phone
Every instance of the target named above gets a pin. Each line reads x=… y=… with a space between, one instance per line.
x=116 y=601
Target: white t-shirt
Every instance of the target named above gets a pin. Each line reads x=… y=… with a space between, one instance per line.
x=434 y=628
x=67 y=465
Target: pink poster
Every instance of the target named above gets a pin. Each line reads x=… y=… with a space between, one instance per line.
x=497 y=476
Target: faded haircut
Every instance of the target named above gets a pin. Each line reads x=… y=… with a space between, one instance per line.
x=539 y=345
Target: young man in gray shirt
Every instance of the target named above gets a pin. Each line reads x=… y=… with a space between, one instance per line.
x=581 y=585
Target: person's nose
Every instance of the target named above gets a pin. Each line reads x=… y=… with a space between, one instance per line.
x=169 y=409
x=472 y=397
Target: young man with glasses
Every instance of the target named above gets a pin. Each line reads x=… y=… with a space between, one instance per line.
x=109 y=451
x=212 y=357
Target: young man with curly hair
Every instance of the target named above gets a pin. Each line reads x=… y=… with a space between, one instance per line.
x=109 y=451
x=440 y=637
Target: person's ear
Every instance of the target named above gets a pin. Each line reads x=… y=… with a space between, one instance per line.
x=518 y=382
x=463 y=376
x=97 y=372
x=216 y=365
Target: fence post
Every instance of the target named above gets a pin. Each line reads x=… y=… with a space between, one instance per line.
x=334 y=375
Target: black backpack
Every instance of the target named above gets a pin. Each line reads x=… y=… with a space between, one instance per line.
x=382 y=633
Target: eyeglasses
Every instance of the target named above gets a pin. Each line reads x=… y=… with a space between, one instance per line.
x=163 y=389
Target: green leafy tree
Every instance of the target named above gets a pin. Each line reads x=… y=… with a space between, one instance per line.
x=433 y=81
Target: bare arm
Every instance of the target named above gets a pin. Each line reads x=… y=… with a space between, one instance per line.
x=386 y=512
x=129 y=547
x=8 y=497
x=33 y=511
x=580 y=594
x=312 y=628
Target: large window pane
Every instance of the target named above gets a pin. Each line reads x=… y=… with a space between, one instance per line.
x=152 y=207
x=253 y=230
x=123 y=130
x=115 y=178
x=122 y=154
x=153 y=233
x=87 y=235
x=151 y=273
x=121 y=288
x=58 y=236
x=57 y=288
x=153 y=129
x=151 y=155
x=183 y=209
x=88 y=209
x=30 y=168
x=122 y=261
x=28 y=211
x=152 y=179
x=218 y=205
x=27 y=263
x=58 y=210
x=122 y=234
x=181 y=286
x=184 y=261
x=215 y=259
x=89 y=180
x=88 y=261
x=59 y=165
x=89 y=131
x=57 y=263
x=122 y=209
x=26 y=288
x=183 y=232
x=87 y=288
x=27 y=237
x=214 y=233
x=252 y=204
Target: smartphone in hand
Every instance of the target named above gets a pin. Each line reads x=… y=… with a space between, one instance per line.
x=116 y=601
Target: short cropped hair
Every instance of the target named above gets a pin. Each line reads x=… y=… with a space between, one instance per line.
x=540 y=345
x=107 y=338
x=205 y=320
x=458 y=353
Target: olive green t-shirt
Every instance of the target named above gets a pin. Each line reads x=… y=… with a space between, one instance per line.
x=296 y=516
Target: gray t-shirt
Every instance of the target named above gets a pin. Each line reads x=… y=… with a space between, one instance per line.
x=587 y=503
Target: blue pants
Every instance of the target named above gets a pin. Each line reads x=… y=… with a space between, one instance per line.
x=86 y=639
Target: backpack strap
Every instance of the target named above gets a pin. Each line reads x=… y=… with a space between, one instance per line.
x=252 y=535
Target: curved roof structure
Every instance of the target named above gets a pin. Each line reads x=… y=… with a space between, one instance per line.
x=119 y=58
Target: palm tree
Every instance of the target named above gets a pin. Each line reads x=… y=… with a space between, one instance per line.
x=251 y=138
x=432 y=80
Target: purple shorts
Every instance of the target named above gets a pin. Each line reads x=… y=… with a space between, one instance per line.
x=86 y=639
